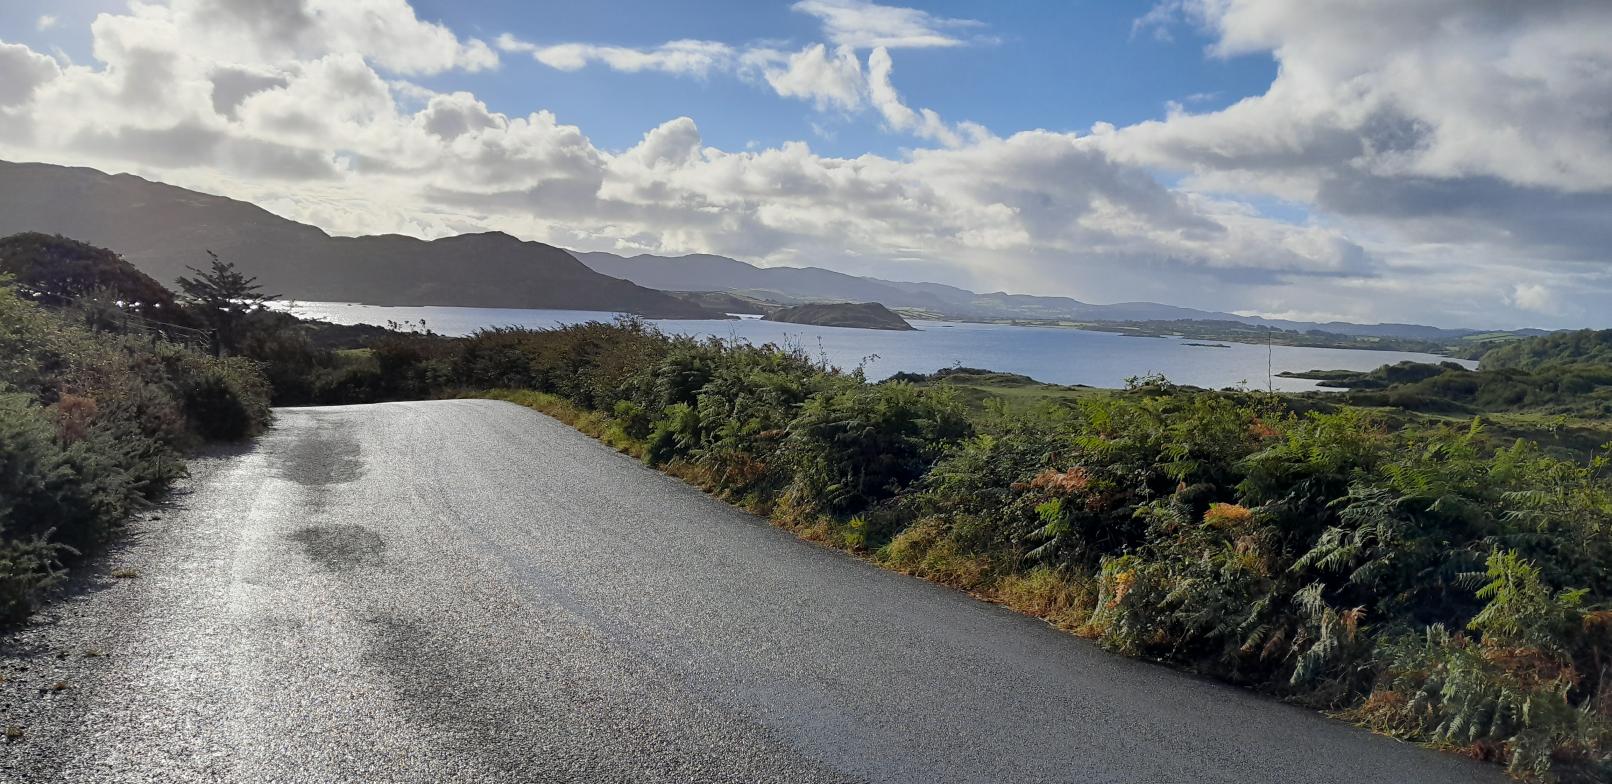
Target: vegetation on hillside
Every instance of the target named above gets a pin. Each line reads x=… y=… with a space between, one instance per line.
x=1559 y=388
x=1585 y=346
x=1239 y=332
x=62 y=271
x=865 y=315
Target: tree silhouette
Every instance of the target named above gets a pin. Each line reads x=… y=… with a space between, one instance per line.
x=223 y=297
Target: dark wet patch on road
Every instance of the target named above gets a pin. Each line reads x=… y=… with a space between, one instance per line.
x=340 y=548
x=329 y=458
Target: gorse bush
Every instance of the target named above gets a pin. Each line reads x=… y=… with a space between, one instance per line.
x=1417 y=580
x=93 y=426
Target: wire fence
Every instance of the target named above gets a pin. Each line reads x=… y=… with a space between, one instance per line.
x=122 y=318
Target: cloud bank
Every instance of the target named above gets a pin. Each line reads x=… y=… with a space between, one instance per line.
x=1454 y=167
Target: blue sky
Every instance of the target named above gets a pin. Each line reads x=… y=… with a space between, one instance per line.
x=1440 y=161
x=1055 y=65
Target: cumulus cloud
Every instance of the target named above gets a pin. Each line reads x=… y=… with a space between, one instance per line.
x=22 y=71
x=233 y=84
x=1463 y=140
x=827 y=79
x=1518 y=91
x=273 y=32
x=46 y=22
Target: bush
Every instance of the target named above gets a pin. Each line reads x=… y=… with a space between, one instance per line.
x=93 y=426
x=859 y=445
x=218 y=409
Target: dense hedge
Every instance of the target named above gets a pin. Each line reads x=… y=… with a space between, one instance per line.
x=1416 y=582
x=93 y=426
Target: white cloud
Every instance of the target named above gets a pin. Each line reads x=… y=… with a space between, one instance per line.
x=830 y=80
x=46 y=22
x=1461 y=141
x=860 y=24
x=682 y=57
x=1534 y=297
x=23 y=71
x=1517 y=91
x=386 y=33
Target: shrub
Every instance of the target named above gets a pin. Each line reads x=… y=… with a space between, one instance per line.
x=856 y=446
x=92 y=427
x=221 y=407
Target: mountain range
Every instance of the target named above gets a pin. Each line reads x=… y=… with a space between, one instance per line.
x=162 y=230
x=795 y=285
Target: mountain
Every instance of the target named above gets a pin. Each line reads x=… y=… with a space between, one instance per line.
x=706 y=272
x=796 y=285
x=865 y=315
x=162 y=229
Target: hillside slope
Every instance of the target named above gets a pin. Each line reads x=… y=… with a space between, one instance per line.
x=1561 y=348
x=163 y=229
x=866 y=315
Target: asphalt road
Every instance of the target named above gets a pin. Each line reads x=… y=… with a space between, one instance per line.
x=470 y=591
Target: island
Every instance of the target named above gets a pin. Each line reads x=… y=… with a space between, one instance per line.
x=864 y=315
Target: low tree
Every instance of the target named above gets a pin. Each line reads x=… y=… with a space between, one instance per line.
x=223 y=297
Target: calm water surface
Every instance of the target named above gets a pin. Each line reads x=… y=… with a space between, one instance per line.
x=1056 y=355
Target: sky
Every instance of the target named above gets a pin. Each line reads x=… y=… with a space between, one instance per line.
x=1445 y=162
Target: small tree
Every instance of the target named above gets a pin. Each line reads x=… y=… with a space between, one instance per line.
x=223 y=297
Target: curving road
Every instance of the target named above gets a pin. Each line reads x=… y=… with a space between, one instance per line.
x=468 y=591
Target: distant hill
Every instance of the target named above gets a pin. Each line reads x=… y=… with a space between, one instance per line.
x=62 y=269
x=726 y=302
x=1586 y=346
x=862 y=315
x=162 y=229
x=797 y=285
x=789 y=285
